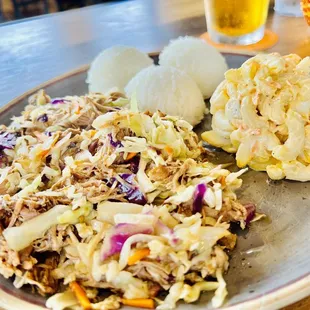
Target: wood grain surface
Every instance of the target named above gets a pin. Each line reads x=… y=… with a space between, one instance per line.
x=38 y=49
x=35 y=50
x=301 y=305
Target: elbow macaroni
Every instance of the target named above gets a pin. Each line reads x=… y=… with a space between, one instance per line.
x=261 y=112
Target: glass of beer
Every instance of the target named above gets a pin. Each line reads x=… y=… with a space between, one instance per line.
x=305 y=5
x=236 y=21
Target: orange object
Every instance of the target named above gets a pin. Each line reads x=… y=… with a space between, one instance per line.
x=93 y=132
x=130 y=155
x=78 y=110
x=138 y=255
x=305 y=5
x=139 y=303
x=270 y=39
x=44 y=153
x=80 y=295
x=169 y=149
x=223 y=181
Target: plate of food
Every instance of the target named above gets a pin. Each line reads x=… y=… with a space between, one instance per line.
x=123 y=185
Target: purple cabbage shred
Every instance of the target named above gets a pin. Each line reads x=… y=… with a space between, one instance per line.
x=3 y=160
x=198 y=197
x=115 y=143
x=117 y=236
x=43 y=118
x=250 y=209
x=128 y=177
x=134 y=164
x=44 y=179
x=118 y=242
x=132 y=192
x=58 y=100
x=171 y=279
x=7 y=140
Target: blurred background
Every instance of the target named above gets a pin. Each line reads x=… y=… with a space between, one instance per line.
x=17 y=9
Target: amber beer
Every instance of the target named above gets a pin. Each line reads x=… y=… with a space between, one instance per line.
x=305 y=5
x=236 y=20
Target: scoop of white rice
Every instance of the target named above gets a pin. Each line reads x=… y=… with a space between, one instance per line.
x=198 y=59
x=114 y=67
x=169 y=90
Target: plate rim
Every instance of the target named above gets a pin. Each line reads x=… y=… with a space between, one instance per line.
x=282 y=296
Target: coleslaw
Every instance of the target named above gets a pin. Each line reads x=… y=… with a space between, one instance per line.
x=95 y=196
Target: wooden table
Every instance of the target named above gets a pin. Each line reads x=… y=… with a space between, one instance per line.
x=35 y=50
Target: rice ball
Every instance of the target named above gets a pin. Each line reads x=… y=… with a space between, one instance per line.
x=169 y=90
x=198 y=59
x=114 y=67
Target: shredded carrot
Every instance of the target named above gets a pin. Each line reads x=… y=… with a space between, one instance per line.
x=44 y=153
x=80 y=295
x=131 y=155
x=138 y=255
x=169 y=149
x=93 y=132
x=139 y=303
x=78 y=110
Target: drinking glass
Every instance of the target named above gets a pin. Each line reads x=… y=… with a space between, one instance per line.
x=305 y=5
x=236 y=21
